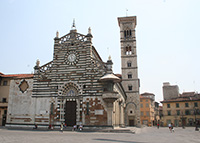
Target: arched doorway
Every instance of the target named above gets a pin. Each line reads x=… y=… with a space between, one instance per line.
x=70 y=107
x=70 y=100
x=130 y=114
x=131 y=122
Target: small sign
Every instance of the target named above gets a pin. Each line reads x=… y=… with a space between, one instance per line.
x=42 y=112
x=98 y=112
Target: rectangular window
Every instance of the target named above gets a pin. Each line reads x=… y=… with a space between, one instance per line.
x=195 y=104
x=147 y=105
x=130 y=87
x=169 y=113
x=176 y=122
x=129 y=76
x=187 y=112
x=168 y=105
x=3 y=100
x=186 y=105
x=141 y=105
x=129 y=64
x=197 y=112
x=177 y=105
x=5 y=82
x=51 y=108
x=147 y=113
x=178 y=112
x=142 y=113
x=87 y=108
x=169 y=122
x=5 y=112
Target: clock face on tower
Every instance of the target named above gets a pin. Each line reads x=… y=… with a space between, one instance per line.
x=71 y=58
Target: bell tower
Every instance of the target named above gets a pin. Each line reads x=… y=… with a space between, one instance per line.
x=129 y=69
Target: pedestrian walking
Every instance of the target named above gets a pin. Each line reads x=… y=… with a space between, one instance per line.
x=35 y=126
x=170 y=127
x=158 y=125
x=61 y=127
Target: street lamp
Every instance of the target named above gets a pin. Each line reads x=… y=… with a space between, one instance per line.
x=182 y=120
x=195 y=112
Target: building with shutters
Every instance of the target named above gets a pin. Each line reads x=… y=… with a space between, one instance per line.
x=180 y=109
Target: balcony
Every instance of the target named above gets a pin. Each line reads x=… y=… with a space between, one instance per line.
x=3 y=104
x=110 y=96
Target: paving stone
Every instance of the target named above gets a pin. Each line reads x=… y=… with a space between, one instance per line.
x=143 y=135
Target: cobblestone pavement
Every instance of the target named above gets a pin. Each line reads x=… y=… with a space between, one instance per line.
x=143 y=135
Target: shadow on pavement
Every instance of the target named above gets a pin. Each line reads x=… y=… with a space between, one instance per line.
x=120 y=141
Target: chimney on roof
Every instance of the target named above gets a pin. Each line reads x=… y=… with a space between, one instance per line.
x=166 y=84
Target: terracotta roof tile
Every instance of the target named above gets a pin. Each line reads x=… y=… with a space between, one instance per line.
x=142 y=96
x=181 y=99
x=187 y=94
x=146 y=93
x=146 y=97
x=17 y=75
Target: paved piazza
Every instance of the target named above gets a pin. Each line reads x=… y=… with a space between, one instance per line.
x=144 y=135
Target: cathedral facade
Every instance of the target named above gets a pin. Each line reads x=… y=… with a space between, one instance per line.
x=77 y=87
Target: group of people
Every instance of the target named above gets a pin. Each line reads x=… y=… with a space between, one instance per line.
x=75 y=127
x=171 y=127
x=62 y=126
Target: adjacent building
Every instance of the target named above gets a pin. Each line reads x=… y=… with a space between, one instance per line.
x=5 y=81
x=147 y=101
x=180 y=109
x=4 y=92
x=160 y=108
x=156 y=114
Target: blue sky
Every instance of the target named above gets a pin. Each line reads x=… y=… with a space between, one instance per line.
x=167 y=35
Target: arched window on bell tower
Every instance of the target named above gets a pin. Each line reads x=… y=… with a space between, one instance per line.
x=127 y=33
x=124 y=33
x=129 y=64
x=128 y=50
x=129 y=75
x=130 y=87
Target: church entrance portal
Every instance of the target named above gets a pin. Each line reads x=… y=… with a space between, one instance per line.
x=70 y=113
x=131 y=122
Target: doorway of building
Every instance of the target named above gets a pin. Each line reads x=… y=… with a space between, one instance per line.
x=176 y=123
x=183 y=121
x=145 y=122
x=4 y=120
x=70 y=113
x=131 y=122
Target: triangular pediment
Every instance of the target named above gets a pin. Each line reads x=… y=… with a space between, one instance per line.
x=72 y=36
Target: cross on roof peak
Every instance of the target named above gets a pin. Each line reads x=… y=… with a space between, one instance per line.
x=73 y=25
